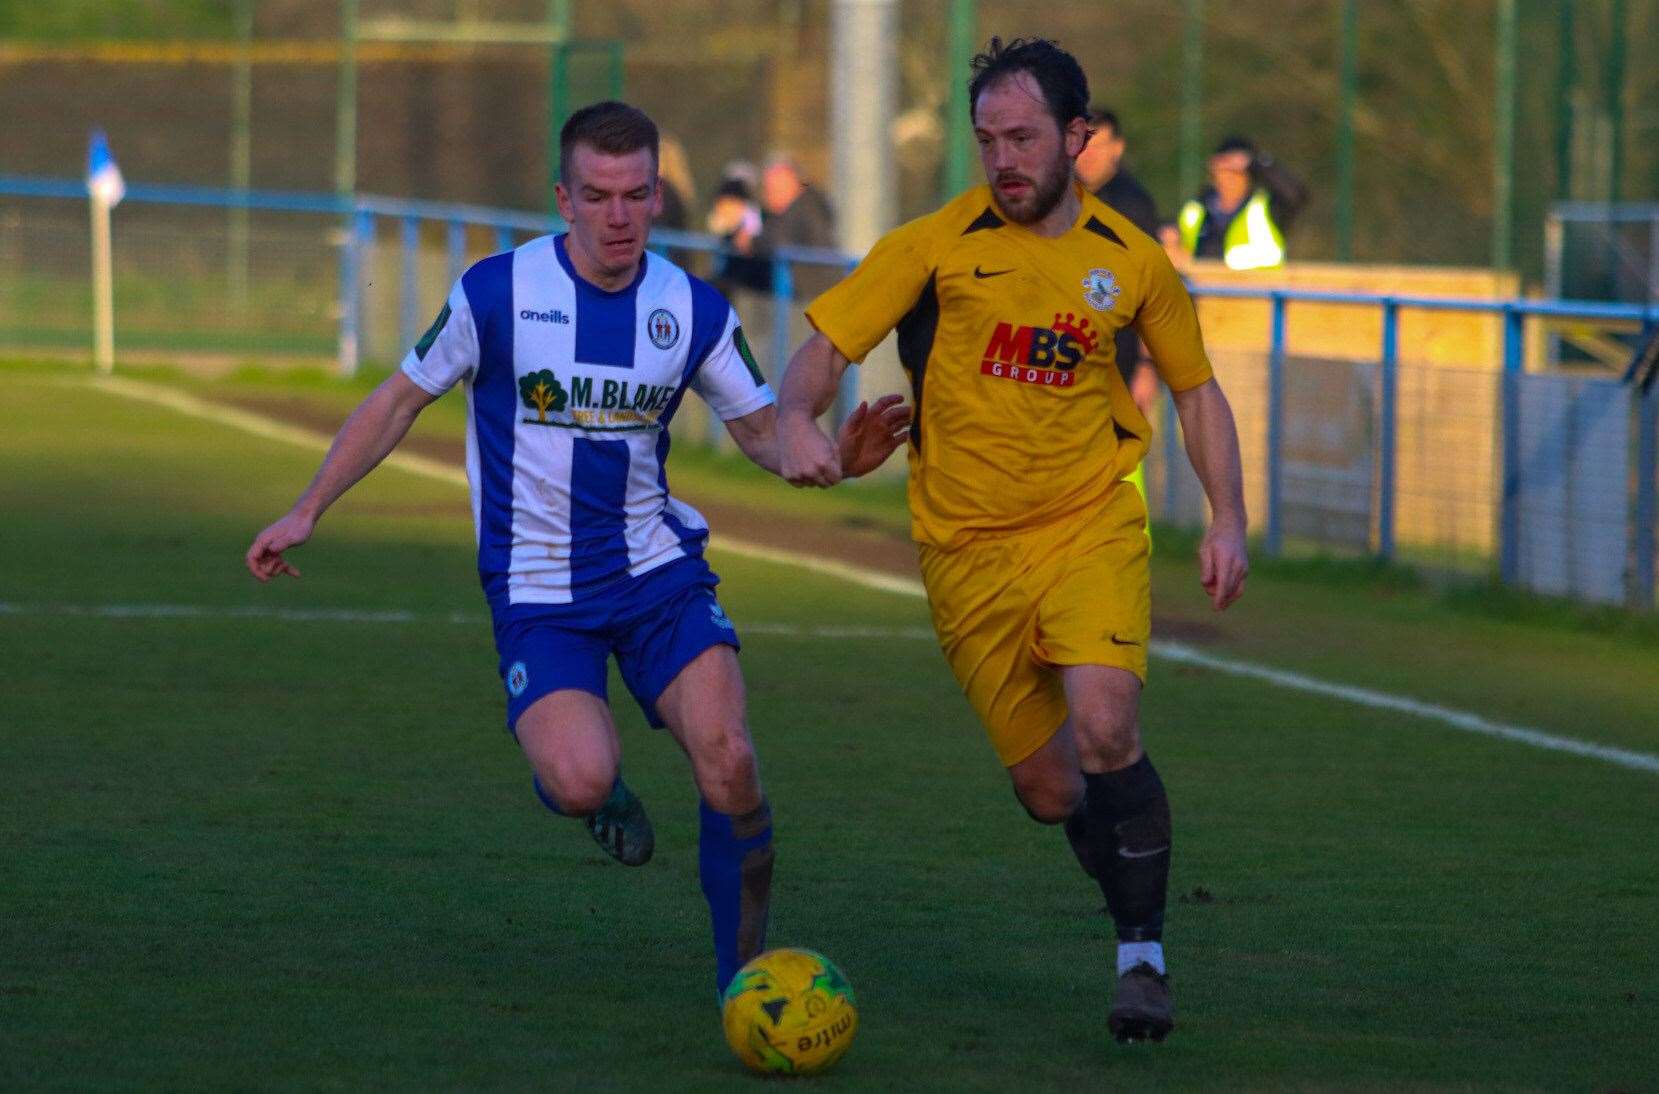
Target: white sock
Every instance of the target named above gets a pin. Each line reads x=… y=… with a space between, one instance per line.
x=1131 y=954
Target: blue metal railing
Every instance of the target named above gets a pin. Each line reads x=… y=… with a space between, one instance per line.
x=362 y=213
x=1514 y=314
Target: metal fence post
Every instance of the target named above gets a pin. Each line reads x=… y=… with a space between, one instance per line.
x=456 y=263
x=409 y=305
x=1642 y=589
x=1509 y=536
x=1387 y=415
x=783 y=300
x=1276 y=428
x=358 y=226
x=503 y=238
x=1172 y=453
x=846 y=396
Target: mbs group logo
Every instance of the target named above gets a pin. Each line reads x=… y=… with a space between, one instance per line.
x=1040 y=355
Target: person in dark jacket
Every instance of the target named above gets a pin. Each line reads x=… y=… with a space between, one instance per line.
x=794 y=213
x=1100 y=169
x=735 y=217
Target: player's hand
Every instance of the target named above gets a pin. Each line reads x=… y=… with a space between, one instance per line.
x=805 y=456
x=871 y=433
x=265 y=559
x=1223 y=564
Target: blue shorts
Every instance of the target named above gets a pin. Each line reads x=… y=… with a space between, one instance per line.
x=655 y=624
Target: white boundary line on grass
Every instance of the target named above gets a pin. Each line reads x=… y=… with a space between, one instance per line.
x=834 y=631
x=1382 y=700
x=261 y=426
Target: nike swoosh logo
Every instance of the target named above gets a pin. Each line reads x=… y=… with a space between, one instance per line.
x=1126 y=853
x=1116 y=641
x=983 y=274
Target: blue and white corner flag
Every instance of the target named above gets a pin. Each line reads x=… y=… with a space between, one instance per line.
x=103 y=177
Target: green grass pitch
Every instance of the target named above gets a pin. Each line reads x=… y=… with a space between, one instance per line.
x=244 y=851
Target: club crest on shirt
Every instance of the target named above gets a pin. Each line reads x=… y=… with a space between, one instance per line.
x=1101 y=289
x=518 y=678
x=662 y=328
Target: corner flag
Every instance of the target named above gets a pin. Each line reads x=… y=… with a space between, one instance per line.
x=104 y=188
x=103 y=176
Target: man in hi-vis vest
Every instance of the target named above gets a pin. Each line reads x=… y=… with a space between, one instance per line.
x=1242 y=216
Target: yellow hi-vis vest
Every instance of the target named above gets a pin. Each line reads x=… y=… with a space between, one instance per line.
x=1252 y=241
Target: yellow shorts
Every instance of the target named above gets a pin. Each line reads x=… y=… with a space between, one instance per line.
x=1009 y=610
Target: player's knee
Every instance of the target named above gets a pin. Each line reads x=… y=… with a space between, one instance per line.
x=1108 y=737
x=727 y=774
x=579 y=784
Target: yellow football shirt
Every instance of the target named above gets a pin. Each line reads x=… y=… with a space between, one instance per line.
x=1022 y=418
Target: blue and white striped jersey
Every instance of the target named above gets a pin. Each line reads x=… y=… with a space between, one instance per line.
x=570 y=390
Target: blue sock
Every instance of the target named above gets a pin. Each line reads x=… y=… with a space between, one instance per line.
x=552 y=803
x=734 y=861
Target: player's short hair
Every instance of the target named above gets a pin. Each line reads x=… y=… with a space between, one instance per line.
x=1235 y=143
x=611 y=127
x=1065 y=88
x=1102 y=118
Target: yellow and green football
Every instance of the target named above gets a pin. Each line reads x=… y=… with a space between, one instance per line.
x=791 y=1012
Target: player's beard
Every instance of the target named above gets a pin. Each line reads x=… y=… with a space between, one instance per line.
x=1046 y=192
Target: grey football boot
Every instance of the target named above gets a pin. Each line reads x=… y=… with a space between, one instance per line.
x=621 y=827
x=1142 y=1009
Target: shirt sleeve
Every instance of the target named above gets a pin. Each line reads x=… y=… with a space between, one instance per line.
x=1168 y=324
x=728 y=378
x=859 y=311
x=448 y=352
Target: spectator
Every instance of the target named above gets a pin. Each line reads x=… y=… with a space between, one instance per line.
x=795 y=214
x=1242 y=216
x=679 y=190
x=735 y=218
x=1100 y=169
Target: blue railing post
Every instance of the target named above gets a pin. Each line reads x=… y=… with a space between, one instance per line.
x=1642 y=589
x=1276 y=427
x=359 y=227
x=456 y=251
x=1509 y=533
x=345 y=354
x=1387 y=416
x=503 y=238
x=409 y=305
x=846 y=396
x=1172 y=453
x=783 y=303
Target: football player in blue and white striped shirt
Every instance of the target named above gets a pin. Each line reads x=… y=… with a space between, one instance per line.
x=575 y=351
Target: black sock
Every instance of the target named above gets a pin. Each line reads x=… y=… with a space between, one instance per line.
x=1128 y=832
x=1077 y=834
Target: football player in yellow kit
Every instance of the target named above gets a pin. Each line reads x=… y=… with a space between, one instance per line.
x=1033 y=544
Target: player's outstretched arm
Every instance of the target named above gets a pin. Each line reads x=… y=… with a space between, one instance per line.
x=1212 y=446
x=870 y=434
x=807 y=455
x=372 y=431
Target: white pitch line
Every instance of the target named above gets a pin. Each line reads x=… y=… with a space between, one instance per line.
x=1382 y=700
x=260 y=426
x=836 y=632
x=1468 y=722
